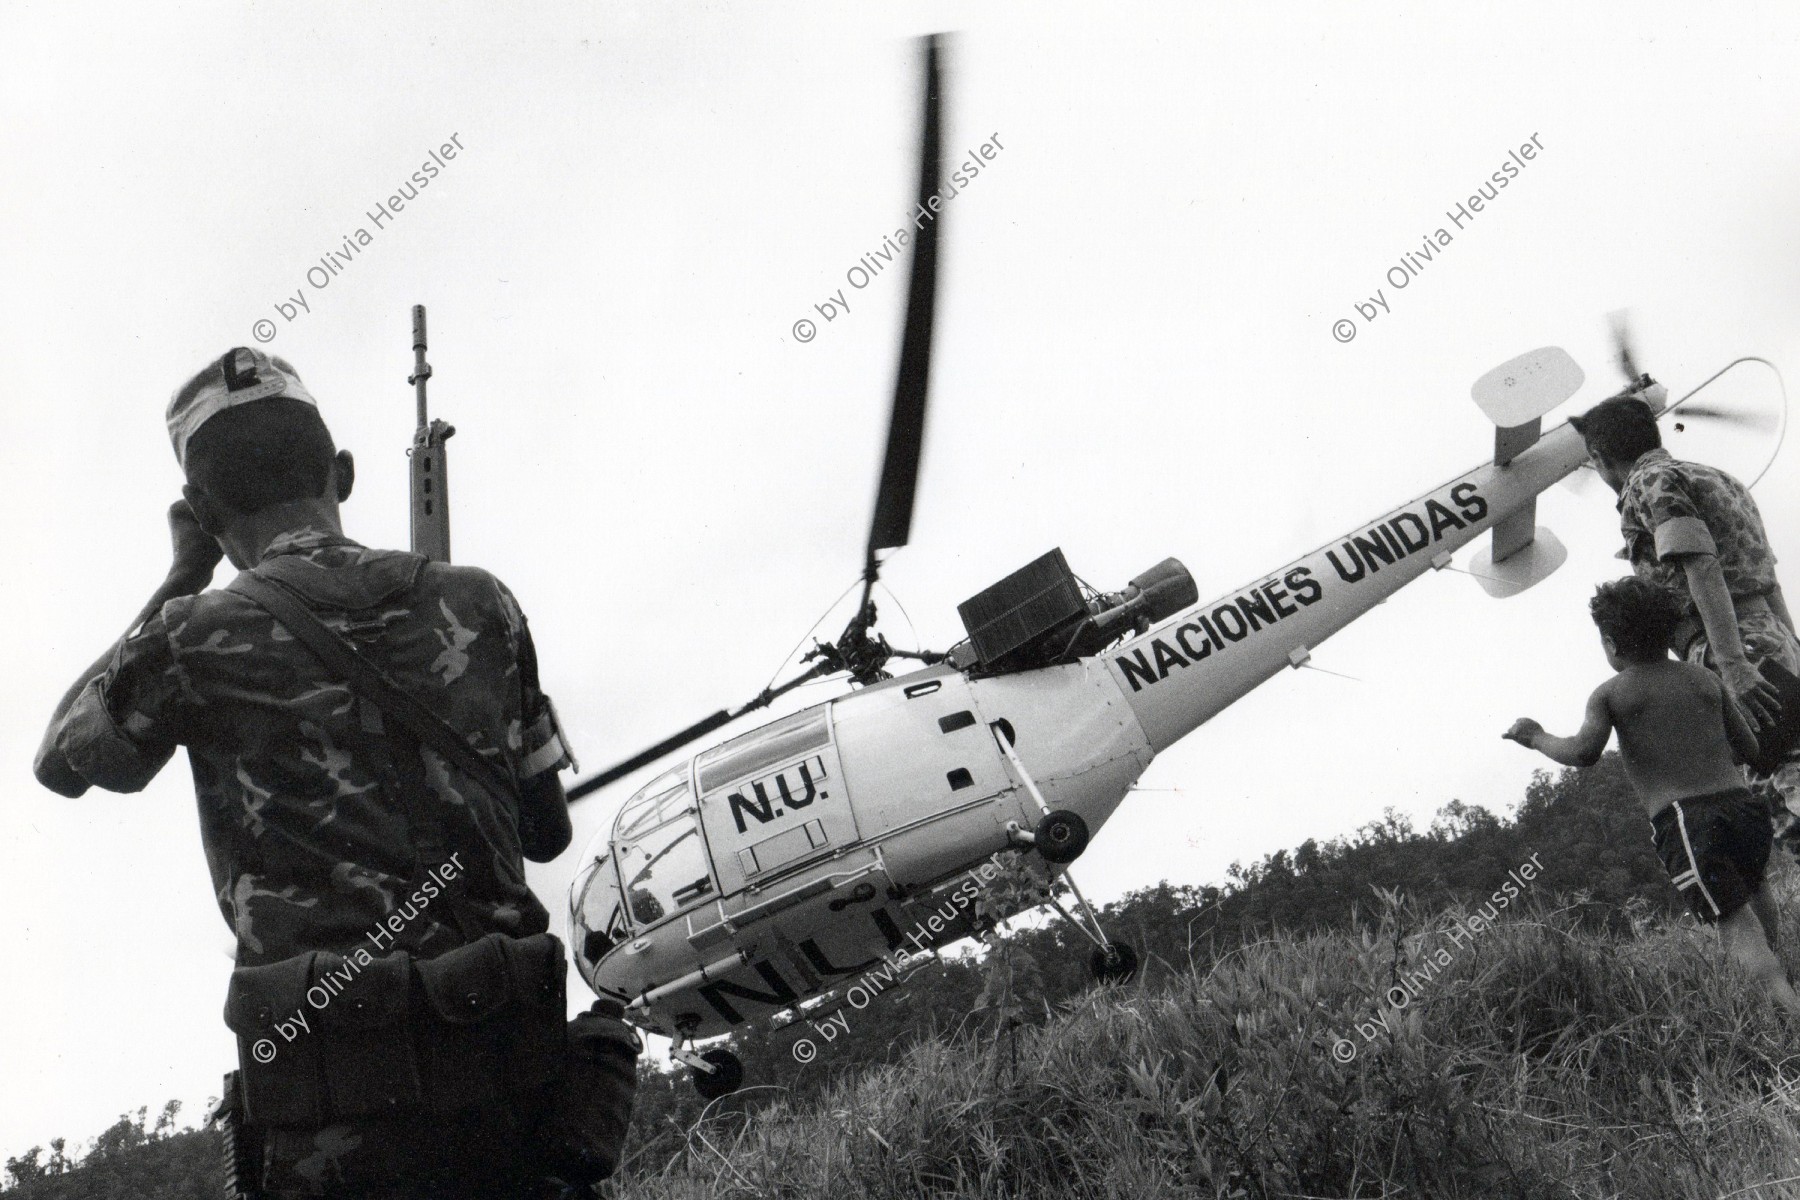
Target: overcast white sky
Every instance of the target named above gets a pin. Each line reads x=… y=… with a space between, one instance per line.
x=1135 y=359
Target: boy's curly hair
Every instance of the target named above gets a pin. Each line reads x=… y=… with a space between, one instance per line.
x=1639 y=616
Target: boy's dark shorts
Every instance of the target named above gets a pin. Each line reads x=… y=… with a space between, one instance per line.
x=1715 y=849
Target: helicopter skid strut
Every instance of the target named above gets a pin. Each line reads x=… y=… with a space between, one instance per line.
x=683 y=1052
x=1091 y=928
x=717 y=1072
x=1060 y=837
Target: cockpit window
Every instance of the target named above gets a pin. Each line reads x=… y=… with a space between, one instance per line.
x=661 y=856
x=787 y=738
x=665 y=870
x=654 y=803
x=599 y=916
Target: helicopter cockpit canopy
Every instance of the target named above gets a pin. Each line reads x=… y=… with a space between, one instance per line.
x=651 y=865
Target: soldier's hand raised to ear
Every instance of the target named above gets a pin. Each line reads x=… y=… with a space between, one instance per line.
x=197 y=552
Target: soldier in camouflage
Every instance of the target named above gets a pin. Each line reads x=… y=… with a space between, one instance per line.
x=307 y=847
x=1696 y=530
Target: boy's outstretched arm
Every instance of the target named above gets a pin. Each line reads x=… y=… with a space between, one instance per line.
x=1582 y=750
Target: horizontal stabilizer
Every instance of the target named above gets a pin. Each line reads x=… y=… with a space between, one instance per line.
x=1525 y=388
x=1536 y=558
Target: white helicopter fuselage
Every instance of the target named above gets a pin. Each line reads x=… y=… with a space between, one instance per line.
x=852 y=840
x=801 y=857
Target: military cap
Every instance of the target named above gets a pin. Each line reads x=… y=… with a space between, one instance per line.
x=238 y=376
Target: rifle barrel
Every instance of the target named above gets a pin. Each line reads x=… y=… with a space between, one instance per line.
x=421 y=368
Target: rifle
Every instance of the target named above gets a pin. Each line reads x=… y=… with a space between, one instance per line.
x=430 y=461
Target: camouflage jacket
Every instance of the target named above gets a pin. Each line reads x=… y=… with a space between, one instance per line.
x=309 y=849
x=1669 y=508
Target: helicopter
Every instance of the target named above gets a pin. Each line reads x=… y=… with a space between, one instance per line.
x=784 y=862
x=758 y=878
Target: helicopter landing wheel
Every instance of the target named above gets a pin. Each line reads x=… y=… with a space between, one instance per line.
x=1114 y=962
x=1061 y=836
x=726 y=1077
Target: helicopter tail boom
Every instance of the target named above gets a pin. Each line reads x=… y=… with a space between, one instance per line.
x=1192 y=665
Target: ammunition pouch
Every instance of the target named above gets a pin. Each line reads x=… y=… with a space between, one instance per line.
x=323 y=1038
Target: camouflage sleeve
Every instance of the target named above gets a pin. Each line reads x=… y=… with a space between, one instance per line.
x=540 y=745
x=1673 y=517
x=123 y=727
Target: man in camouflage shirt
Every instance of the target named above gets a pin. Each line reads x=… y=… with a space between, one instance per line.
x=307 y=848
x=1696 y=531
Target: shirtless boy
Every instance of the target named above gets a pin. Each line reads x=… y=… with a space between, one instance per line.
x=1678 y=732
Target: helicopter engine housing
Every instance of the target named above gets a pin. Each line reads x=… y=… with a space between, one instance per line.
x=1038 y=616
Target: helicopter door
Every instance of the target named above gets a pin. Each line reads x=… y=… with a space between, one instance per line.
x=774 y=799
x=927 y=771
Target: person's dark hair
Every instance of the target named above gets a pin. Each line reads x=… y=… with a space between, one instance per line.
x=260 y=454
x=1639 y=616
x=1621 y=428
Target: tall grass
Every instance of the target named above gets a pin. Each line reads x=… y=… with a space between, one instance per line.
x=1542 y=1061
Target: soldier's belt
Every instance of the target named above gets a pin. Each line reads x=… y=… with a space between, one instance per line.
x=324 y=1038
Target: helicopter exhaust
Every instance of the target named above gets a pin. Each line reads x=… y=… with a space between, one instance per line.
x=1158 y=593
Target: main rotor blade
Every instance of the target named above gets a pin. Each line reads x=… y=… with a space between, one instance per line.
x=613 y=774
x=906 y=427
x=694 y=732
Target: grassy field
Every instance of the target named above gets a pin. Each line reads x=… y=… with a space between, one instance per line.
x=1298 y=1032
x=1528 y=1059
